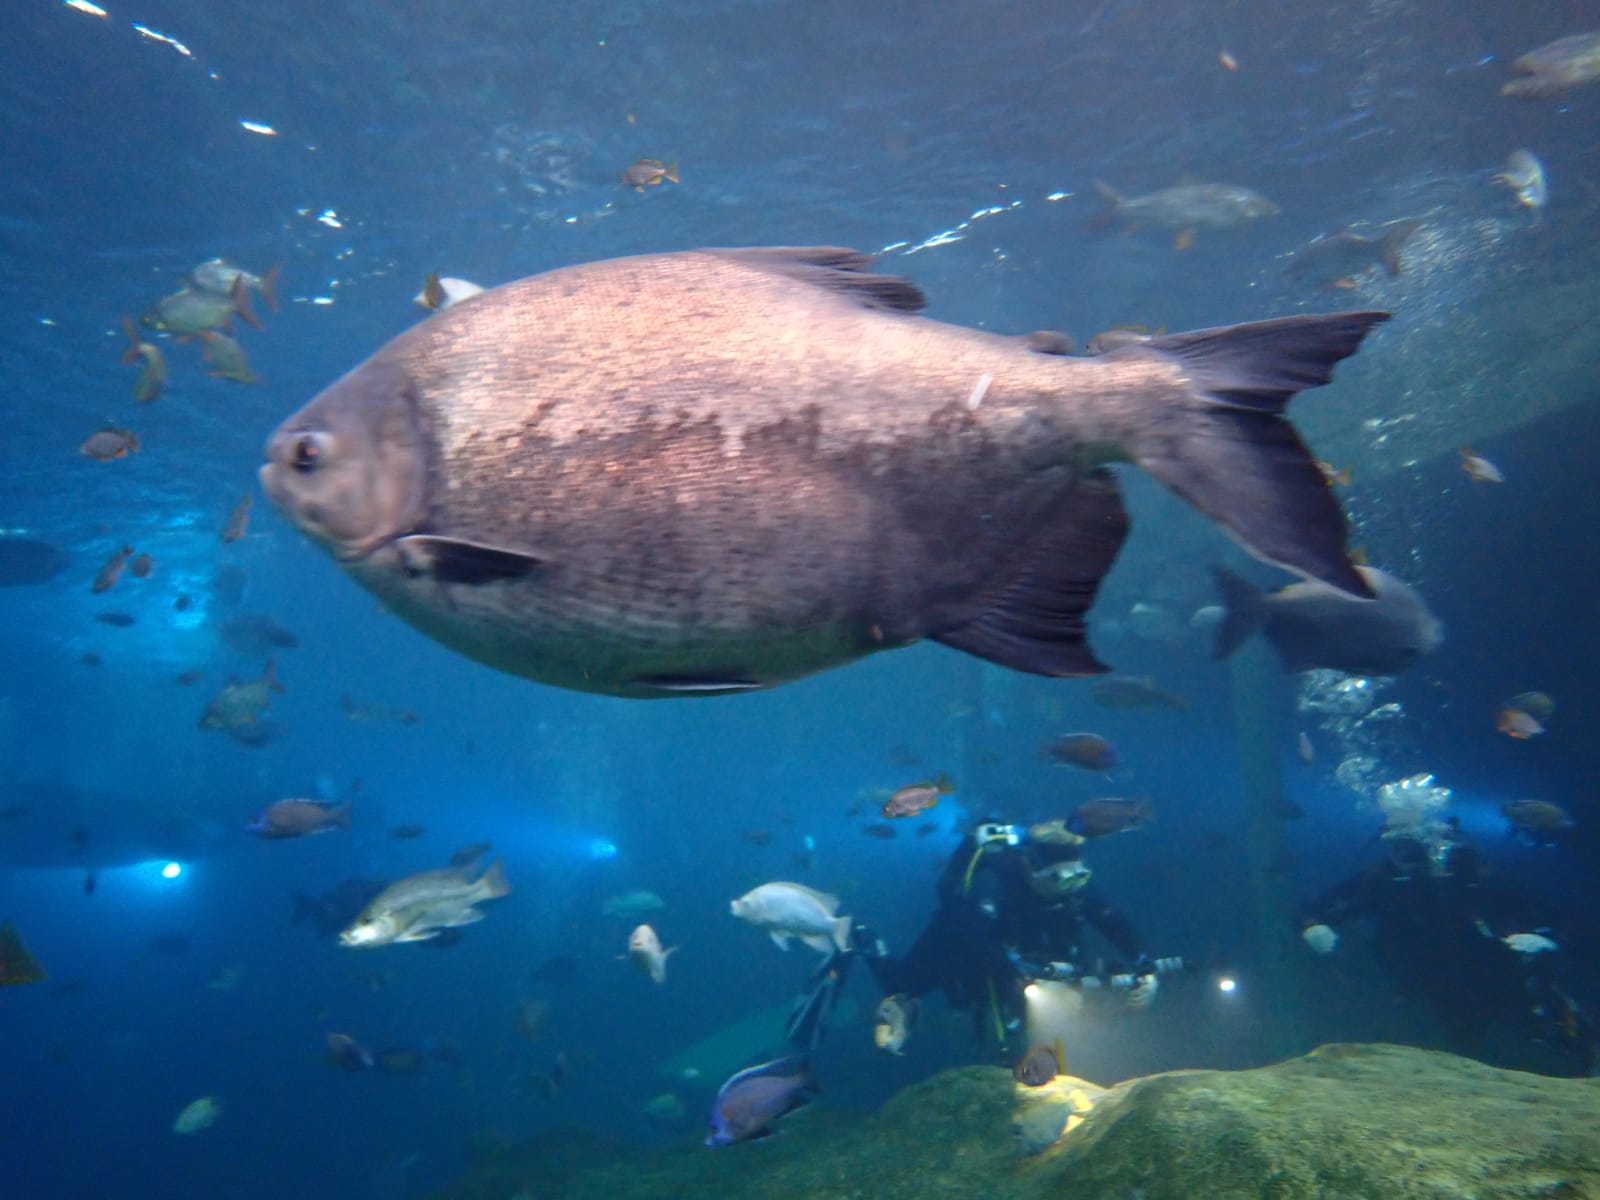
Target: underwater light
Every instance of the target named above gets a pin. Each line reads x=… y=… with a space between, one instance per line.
x=172 y=870
x=1031 y=992
x=600 y=848
x=1227 y=985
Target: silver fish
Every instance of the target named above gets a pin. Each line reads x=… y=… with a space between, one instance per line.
x=1556 y=66
x=1339 y=260
x=1311 y=625
x=420 y=906
x=717 y=470
x=1187 y=206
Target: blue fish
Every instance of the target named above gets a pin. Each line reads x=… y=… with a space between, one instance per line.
x=750 y=1101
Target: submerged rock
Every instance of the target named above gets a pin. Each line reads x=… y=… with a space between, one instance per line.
x=1375 y=1122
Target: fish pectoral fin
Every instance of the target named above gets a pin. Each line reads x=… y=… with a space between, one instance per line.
x=417 y=935
x=467 y=916
x=1035 y=621
x=781 y=938
x=820 y=942
x=455 y=560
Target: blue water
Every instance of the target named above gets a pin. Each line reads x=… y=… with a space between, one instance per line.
x=485 y=141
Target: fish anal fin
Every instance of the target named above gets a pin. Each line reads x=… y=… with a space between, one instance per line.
x=1034 y=621
x=456 y=560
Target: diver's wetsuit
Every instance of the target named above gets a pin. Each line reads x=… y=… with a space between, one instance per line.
x=990 y=911
x=1438 y=937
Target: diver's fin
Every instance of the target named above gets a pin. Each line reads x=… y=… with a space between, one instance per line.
x=836 y=269
x=1389 y=247
x=453 y=560
x=1034 y=621
x=1242 y=612
x=1230 y=452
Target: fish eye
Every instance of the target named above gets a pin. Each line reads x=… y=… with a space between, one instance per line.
x=307 y=453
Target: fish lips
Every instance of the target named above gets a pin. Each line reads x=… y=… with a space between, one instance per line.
x=351 y=468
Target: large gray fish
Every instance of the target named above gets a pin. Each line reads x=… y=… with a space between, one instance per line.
x=725 y=469
x=1187 y=206
x=1340 y=260
x=1312 y=625
x=1553 y=68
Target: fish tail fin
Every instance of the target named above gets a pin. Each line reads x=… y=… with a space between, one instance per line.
x=494 y=883
x=1230 y=452
x=131 y=354
x=1243 y=612
x=1112 y=212
x=240 y=295
x=1389 y=248
x=269 y=286
x=270 y=677
x=841 y=932
x=671 y=172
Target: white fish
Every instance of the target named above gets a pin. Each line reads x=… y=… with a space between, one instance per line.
x=1529 y=943
x=1524 y=175
x=197 y=1115
x=788 y=910
x=1320 y=938
x=644 y=948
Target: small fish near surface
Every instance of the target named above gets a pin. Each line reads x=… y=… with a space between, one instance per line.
x=906 y=433
x=750 y=1101
x=217 y=277
x=241 y=704
x=110 y=443
x=17 y=965
x=1090 y=751
x=348 y=1054
x=1478 y=468
x=917 y=797
x=376 y=714
x=649 y=172
x=1341 y=260
x=1524 y=174
x=1311 y=626
x=424 y=905
x=238 y=522
x=792 y=910
x=227 y=358
x=152 y=379
x=111 y=570
x=141 y=566
x=644 y=949
x=1537 y=818
x=1127 y=691
x=117 y=620
x=255 y=634
x=1555 y=67
x=295 y=818
x=1101 y=818
x=1185 y=208
x=1517 y=723
x=197 y=1115
x=439 y=293
x=632 y=904
x=192 y=310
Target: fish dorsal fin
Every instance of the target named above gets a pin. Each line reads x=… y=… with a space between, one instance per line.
x=835 y=269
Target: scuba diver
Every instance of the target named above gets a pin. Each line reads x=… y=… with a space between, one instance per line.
x=1467 y=946
x=1013 y=906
